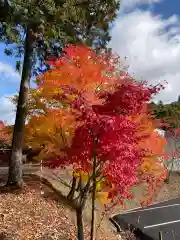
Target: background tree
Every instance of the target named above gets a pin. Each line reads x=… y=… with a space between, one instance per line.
x=5 y=136
x=170 y=119
x=38 y=29
x=167 y=113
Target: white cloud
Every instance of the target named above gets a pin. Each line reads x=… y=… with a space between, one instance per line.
x=152 y=47
x=127 y=5
x=8 y=73
x=7 y=110
x=8 y=76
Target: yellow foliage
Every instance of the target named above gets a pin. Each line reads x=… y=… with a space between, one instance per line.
x=102 y=197
x=151 y=165
x=84 y=176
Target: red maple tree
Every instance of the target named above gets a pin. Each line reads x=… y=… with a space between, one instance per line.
x=106 y=140
x=106 y=131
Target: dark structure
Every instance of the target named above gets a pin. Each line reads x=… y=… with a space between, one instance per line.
x=155 y=222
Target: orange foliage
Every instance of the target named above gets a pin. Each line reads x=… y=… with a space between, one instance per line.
x=51 y=132
x=48 y=110
x=152 y=142
x=151 y=168
x=80 y=69
x=5 y=135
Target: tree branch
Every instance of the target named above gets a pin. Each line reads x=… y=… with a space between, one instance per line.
x=62 y=181
x=73 y=188
x=79 y=187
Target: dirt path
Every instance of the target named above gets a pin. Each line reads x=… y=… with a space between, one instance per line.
x=59 y=177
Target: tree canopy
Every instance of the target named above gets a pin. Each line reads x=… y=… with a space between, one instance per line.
x=82 y=93
x=53 y=23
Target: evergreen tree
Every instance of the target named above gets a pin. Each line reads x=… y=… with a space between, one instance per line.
x=36 y=29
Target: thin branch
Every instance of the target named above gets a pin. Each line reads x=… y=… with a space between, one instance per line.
x=61 y=180
x=63 y=137
x=105 y=213
x=84 y=192
x=91 y=188
x=101 y=179
x=79 y=187
x=73 y=188
x=93 y=199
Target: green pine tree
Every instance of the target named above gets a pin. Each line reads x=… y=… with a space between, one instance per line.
x=36 y=29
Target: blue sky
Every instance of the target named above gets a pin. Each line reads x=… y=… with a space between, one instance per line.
x=147 y=32
x=167 y=8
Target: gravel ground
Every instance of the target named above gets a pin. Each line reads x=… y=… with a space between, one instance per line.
x=31 y=215
x=171 y=189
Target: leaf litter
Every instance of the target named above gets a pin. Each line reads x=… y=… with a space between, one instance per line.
x=31 y=215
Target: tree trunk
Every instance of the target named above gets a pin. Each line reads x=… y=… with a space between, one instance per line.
x=93 y=200
x=80 y=231
x=15 y=160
